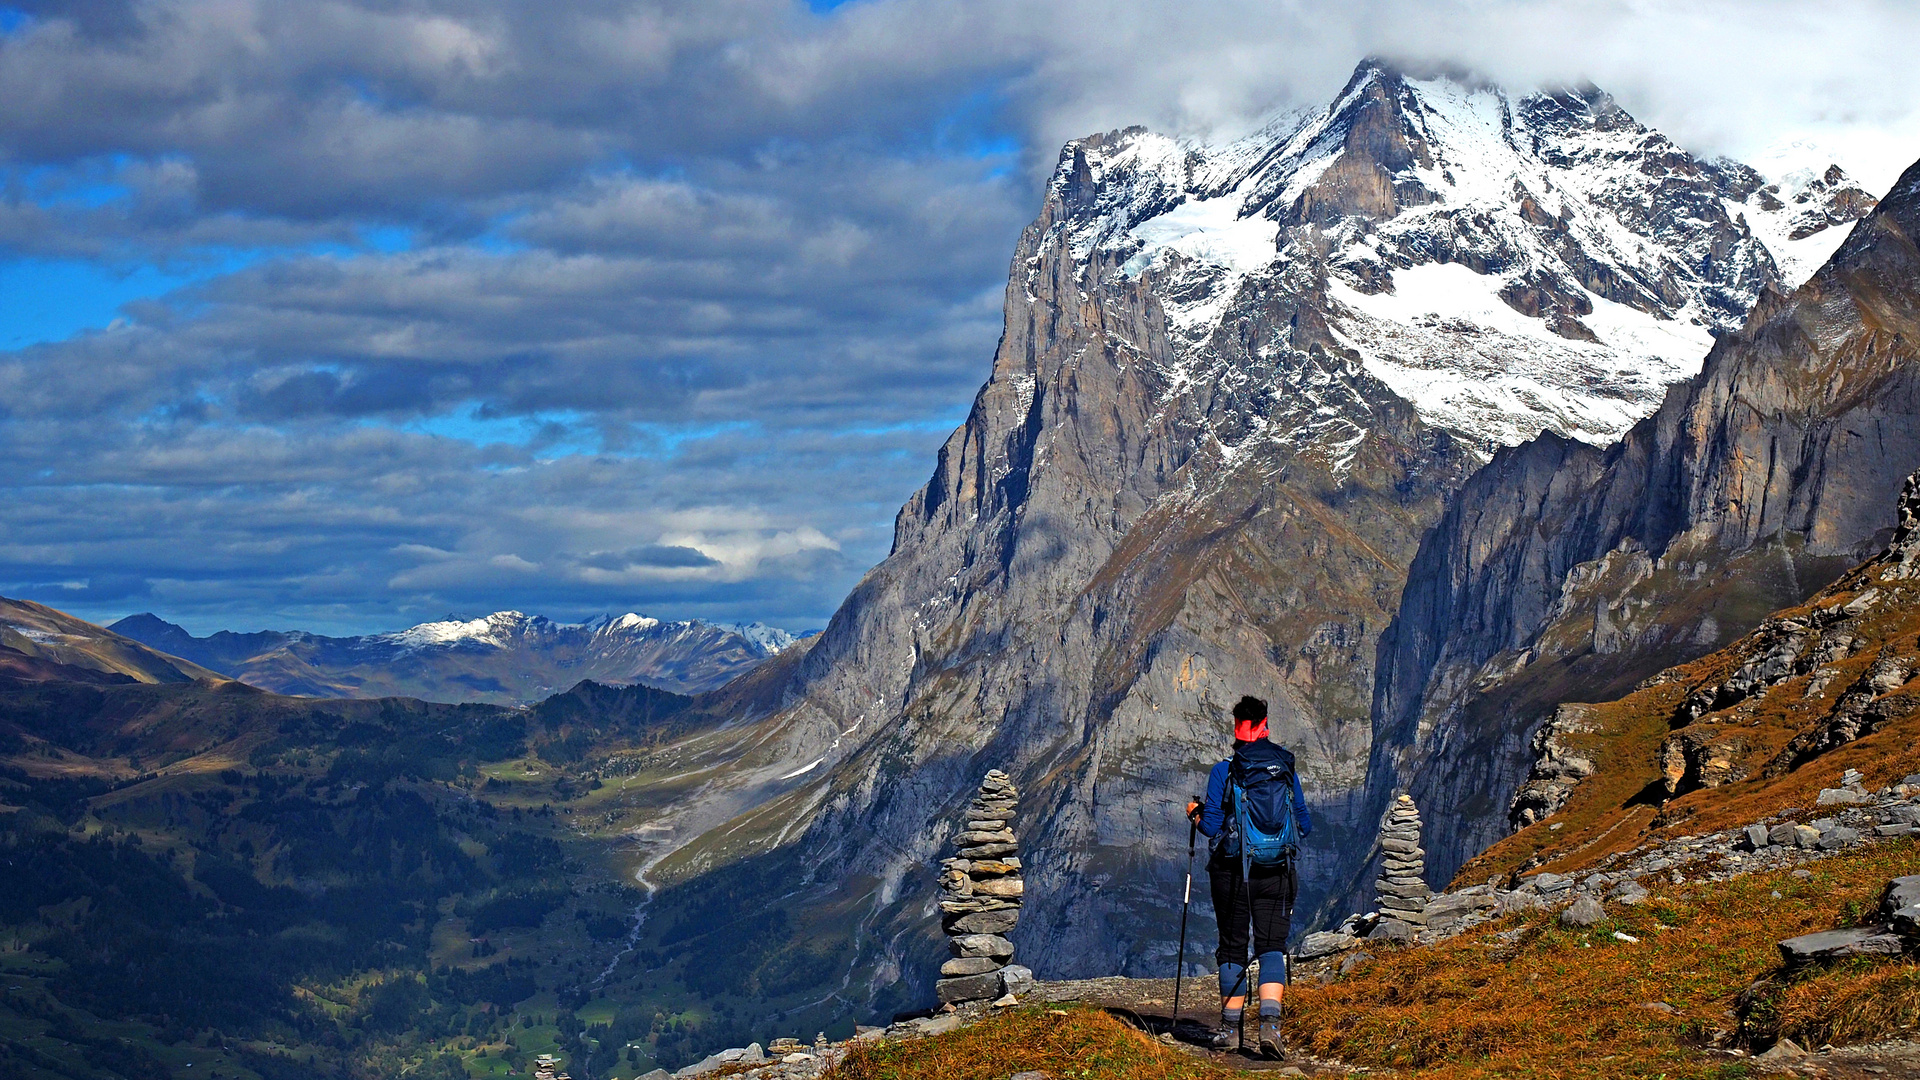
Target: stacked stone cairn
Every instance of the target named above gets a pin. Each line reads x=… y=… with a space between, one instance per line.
x=1402 y=887
x=980 y=900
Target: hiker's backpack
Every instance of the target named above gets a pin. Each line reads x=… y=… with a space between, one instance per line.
x=1267 y=829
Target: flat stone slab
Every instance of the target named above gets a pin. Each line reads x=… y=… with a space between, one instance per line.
x=969 y=965
x=1392 y=930
x=1325 y=943
x=981 y=987
x=981 y=945
x=1002 y=887
x=986 y=922
x=1828 y=945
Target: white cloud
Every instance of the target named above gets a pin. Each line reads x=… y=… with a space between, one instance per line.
x=680 y=282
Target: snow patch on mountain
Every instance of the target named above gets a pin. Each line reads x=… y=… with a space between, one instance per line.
x=768 y=639
x=503 y=629
x=1506 y=263
x=1445 y=341
x=496 y=630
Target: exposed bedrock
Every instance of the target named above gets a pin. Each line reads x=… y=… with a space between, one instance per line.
x=1562 y=572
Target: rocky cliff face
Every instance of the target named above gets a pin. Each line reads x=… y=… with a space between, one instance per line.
x=1567 y=572
x=1236 y=386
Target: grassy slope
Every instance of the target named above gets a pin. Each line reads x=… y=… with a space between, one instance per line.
x=1551 y=1002
x=40 y=631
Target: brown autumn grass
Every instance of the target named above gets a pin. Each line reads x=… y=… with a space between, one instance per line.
x=1555 y=1003
x=1075 y=1043
x=1610 y=812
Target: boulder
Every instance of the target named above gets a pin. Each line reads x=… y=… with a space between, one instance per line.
x=1906 y=921
x=1511 y=902
x=1391 y=929
x=1806 y=836
x=1784 y=1050
x=1015 y=979
x=1901 y=892
x=1837 y=837
x=1754 y=837
x=1628 y=892
x=1828 y=945
x=1454 y=905
x=1781 y=834
x=1585 y=911
x=940 y=1025
x=1842 y=797
x=746 y=1055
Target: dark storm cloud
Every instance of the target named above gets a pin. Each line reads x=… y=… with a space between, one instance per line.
x=660 y=306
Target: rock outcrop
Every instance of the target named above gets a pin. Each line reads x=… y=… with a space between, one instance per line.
x=1566 y=572
x=981 y=894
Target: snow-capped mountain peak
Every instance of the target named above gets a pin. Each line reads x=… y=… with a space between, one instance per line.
x=496 y=630
x=1505 y=263
x=768 y=639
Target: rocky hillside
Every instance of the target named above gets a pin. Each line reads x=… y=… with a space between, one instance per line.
x=1810 y=710
x=39 y=644
x=1566 y=572
x=505 y=658
x=1202 y=464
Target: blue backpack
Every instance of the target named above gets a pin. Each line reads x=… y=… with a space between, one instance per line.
x=1265 y=826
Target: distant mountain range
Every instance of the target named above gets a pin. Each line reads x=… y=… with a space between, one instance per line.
x=505 y=658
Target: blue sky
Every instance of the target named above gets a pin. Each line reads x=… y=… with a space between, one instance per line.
x=344 y=316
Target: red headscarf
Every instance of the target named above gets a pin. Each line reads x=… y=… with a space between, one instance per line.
x=1250 y=730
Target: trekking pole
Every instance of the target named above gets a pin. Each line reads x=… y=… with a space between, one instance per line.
x=1186 y=898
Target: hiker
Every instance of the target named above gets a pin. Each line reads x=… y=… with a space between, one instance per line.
x=1253 y=817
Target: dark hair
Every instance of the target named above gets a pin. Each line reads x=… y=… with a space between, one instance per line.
x=1250 y=708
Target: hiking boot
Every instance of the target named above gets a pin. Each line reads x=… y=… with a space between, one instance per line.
x=1271 y=1044
x=1227 y=1035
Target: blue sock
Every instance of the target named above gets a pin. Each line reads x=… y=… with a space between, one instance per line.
x=1269 y=1007
x=1233 y=980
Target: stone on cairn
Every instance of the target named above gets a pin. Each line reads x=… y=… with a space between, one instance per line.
x=1402 y=887
x=980 y=897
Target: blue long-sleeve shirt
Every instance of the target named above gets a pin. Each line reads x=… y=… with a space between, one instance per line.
x=1213 y=814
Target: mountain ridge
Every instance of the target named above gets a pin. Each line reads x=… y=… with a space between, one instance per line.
x=39 y=643
x=503 y=658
